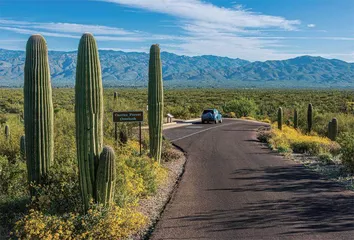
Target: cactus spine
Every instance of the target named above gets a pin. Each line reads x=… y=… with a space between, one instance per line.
x=38 y=110
x=155 y=101
x=106 y=177
x=296 y=120
x=280 y=118
x=23 y=147
x=334 y=129
x=7 y=132
x=309 y=117
x=88 y=115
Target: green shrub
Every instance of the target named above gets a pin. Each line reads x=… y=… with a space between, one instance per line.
x=13 y=181
x=346 y=142
x=242 y=107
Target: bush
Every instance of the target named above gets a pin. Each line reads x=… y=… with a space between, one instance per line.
x=242 y=107
x=346 y=142
x=97 y=223
x=289 y=138
x=168 y=152
x=13 y=178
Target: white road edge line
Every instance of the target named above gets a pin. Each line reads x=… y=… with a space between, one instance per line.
x=189 y=135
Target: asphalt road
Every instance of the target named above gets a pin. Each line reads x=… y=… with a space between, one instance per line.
x=235 y=188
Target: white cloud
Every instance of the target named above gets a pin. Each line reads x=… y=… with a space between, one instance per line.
x=202 y=11
x=311 y=25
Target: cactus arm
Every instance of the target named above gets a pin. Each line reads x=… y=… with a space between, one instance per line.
x=106 y=177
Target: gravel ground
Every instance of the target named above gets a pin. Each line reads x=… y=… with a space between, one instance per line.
x=153 y=206
x=333 y=169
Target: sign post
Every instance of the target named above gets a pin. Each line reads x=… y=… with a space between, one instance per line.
x=128 y=116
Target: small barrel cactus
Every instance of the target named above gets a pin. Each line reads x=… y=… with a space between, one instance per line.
x=296 y=119
x=106 y=176
x=280 y=118
x=155 y=101
x=88 y=115
x=309 y=118
x=334 y=131
x=38 y=110
x=7 y=132
x=23 y=147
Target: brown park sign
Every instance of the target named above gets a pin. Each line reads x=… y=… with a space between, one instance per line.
x=129 y=116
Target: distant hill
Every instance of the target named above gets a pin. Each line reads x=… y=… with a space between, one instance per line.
x=131 y=69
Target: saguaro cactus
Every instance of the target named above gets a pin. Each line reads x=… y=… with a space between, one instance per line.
x=38 y=110
x=7 y=132
x=155 y=101
x=296 y=120
x=309 y=117
x=106 y=176
x=88 y=115
x=23 y=146
x=330 y=130
x=334 y=129
x=280 y=118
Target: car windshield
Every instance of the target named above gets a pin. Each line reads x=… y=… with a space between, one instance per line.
x=208 y=111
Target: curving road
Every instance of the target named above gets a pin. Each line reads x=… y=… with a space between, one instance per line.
x=235 y=188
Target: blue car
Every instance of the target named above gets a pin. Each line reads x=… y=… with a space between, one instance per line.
x=211 y=115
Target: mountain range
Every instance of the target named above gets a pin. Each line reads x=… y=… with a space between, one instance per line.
x=131 y=69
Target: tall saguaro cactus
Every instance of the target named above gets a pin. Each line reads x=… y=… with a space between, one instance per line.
x=334 y=129
x=330 y=128
x=296 y=119
x=7 y=132
x=38 y=110
x=106 y=177
x=280 y=118
x=155 y=101
x=309 y=118
x=88 y=115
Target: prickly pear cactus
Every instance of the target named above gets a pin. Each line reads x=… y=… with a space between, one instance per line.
x=309 y=118
x=155 y=101
x=296 y=120
x=88 y=115
x=106 y=176
x=280 y=118
x=38 y=110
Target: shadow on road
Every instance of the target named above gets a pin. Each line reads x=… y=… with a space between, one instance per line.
x=298 y=200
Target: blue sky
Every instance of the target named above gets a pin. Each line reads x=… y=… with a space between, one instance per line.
x=247 y=29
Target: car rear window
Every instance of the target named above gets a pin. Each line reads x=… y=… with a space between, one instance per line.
x=208 y=111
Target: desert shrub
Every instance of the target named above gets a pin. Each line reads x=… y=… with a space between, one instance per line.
x=97 y=223
x=346 y=142
x=242 y=107
x=325 y=158
x=264 y=135
x=168 y=152
x=294 y=140
x=13 y=177
x=11 y=147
